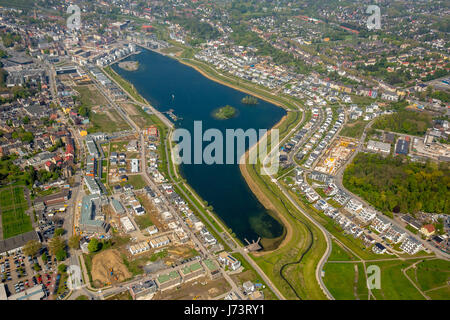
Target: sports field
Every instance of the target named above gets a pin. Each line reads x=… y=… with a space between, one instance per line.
x=12 y=209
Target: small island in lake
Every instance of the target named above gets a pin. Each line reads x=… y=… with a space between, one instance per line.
x=249 y=100
x=224 y=113
x=129 y=65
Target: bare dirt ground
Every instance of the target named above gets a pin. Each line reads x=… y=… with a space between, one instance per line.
x=113 y=117
x=195 y=289
x=152 y=212
x=130 y=109
x=178 y=253
x=104 y=262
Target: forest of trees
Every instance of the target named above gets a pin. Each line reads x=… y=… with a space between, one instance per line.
x=201 y=30
x=404 y=121
x=398 y=185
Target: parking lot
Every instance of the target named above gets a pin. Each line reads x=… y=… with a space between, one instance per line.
x=18 y=274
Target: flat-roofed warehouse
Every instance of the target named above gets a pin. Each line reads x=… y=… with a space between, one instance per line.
x=33 y=293
x=402 y=147
x=15 y=243
x=379 y=146
x=56 y=198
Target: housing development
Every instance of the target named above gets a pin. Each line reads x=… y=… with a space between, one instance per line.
x=95 y=205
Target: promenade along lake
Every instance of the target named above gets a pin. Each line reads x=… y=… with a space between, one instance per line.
x=168 y=84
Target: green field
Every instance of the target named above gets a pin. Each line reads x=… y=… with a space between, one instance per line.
x=343 y=281
x=102 y=122
x=136 y=181
x=431 y=274
x=394 y=284
x=13 y=206
x=143 y=119
x=353 y=129
x=340 y=254
x=440 y=294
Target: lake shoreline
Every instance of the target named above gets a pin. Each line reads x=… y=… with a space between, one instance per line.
x=254 y=187
x=281 y=239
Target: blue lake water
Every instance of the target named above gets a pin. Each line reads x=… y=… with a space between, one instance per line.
x=168 y=84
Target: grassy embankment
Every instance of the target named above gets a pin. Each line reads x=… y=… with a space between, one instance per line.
x=124 y=84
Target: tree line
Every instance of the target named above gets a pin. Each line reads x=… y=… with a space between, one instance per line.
x=395 y=184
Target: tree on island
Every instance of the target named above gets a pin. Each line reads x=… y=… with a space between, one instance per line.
x=226 y=112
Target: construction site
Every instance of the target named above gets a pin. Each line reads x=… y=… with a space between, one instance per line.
x=336 y=155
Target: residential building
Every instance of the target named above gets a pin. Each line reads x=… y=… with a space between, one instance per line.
x=411 y=246
x=159 y=242
x=143 y=289
x=378 y=248
x=127 y=224
x=228 y=260
x=428 y=230
x=380 y=223
x=168 y=280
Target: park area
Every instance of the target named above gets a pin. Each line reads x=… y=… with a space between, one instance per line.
x=12 y=209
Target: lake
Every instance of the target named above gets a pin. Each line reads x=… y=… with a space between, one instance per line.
x=168 y=84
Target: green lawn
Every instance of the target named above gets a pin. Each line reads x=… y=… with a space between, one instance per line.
x=432 y=274
x=394 y=284
x=143 y=119
x=353 y=129
x=102 y=122
x=340 y=280
x=339 y=254
x=440 y=294
x=136 y=181
x=13 y=206
x=143 y=221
